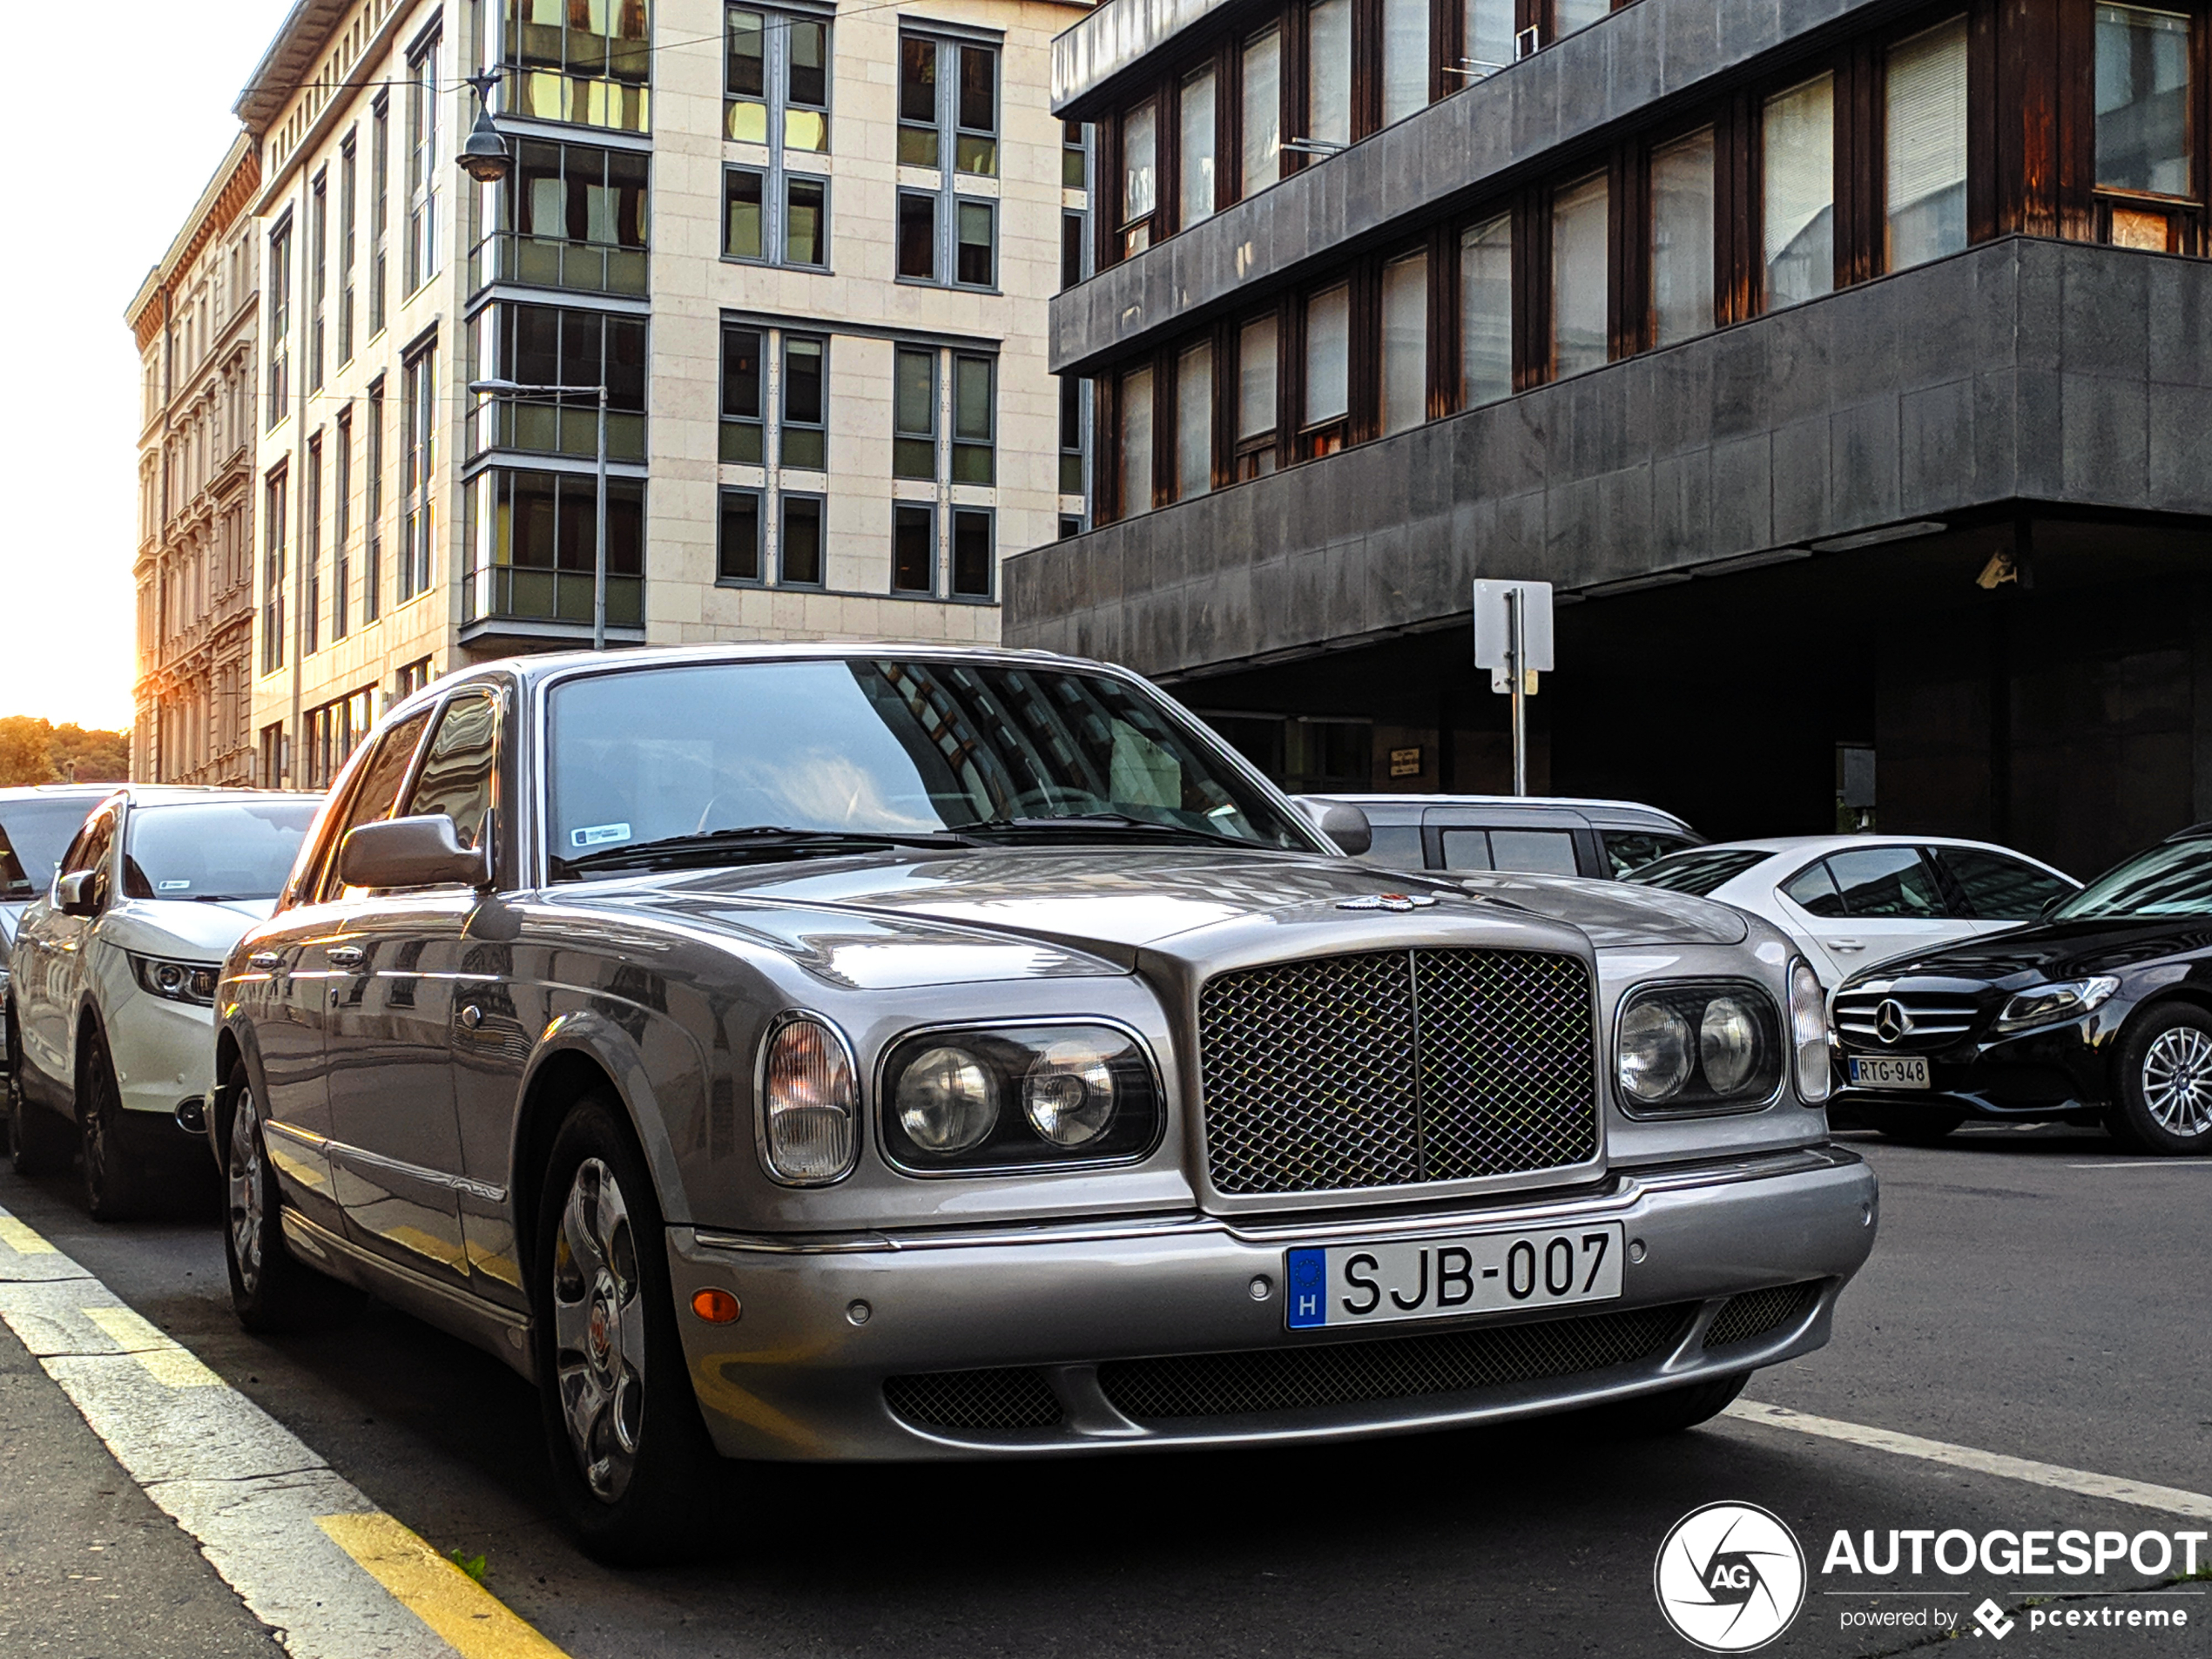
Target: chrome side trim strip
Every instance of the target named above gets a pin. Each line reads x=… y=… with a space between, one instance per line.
x=317 y=1240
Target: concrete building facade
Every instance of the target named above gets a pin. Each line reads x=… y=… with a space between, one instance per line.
x=1846 y=365
x=195 y=320
x=808 y=255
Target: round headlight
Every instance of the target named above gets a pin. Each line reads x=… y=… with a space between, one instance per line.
x=1654 y=1051
x=170 y=977
x=1068 y=1094
x=1728 y=1044
x=946 y=1101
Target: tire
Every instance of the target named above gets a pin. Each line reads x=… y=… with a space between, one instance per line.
x=1672 y=1410
x=115 y=1186
x=1912 y=1126
x=2162 y=1085
x=636 y=1475
x=40 y=1142
x=271 y=1291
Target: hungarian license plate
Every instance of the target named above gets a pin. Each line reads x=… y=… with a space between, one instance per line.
x=1873 y=1072
x=1434 y=1279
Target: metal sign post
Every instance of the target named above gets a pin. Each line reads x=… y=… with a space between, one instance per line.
x=1513 y=639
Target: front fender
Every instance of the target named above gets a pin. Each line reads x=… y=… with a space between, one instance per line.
x=609 y=1045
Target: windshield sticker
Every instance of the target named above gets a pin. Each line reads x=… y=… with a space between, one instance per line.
x=599 y=835
x=172 y=887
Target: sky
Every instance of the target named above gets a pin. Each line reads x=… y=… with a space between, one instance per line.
x=115 y=162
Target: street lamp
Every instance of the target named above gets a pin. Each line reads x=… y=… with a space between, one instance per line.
x=485 y=157
x=511 y=388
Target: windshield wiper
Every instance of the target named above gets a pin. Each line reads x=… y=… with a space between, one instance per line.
x=757 y=840
x=1118 y=823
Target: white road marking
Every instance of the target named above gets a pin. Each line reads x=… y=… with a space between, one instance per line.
x=2147 y=1163
x=2141 y=1493
x=278 y=1524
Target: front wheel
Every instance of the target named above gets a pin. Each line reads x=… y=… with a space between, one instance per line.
x=270 y=1290
x=115 y=1187
x=631 y=1460
x=2163 y=1100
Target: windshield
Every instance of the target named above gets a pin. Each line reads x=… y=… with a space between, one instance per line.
x=880 y=747
x=2172 y=880
x=33 y=836
x=1697 y=873
x=219 y=850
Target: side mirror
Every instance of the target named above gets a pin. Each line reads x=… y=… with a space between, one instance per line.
x=1341 y=822
x=411 y=852
x=77 y=894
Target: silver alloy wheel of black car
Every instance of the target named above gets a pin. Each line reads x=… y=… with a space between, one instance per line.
x=2176 y=1080
x=242 y=1171
x=599 y=1330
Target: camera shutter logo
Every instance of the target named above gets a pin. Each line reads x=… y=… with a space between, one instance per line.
x=1730 y=1577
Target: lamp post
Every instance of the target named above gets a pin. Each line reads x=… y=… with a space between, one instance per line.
x=511 y=388
x=485 y=157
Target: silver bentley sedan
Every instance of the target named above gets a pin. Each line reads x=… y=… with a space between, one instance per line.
x=873 y=1052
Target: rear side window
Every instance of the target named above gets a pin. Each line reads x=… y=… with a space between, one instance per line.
x=1700 y=872
x=1813 y=891
x=455 y=778
x=1627 y=850
x=1467 y=849
x=1536 y=851
x=1881 y=882
x=375 y=792
x=1999 y=889
x=1396 y=845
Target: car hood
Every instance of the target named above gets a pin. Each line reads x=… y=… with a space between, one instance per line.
x=1030 y=913
x=2052 y=951
x=1615 y=912
x=189 y=930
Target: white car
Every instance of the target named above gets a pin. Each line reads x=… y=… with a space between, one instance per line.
x=1852 y=901
x=112 y=985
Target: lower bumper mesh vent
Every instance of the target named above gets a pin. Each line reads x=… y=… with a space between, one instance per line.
x=1017 y=1397
x=1341 y=1373
x=1758 y=1313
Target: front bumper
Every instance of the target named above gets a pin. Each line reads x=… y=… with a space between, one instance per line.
x=1037 y=1319
x=2055 y=1071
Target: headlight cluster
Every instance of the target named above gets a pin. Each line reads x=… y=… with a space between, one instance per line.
x=809 y=1104
x=192 y=982
x=1808 y=1034
x=1016 y=1096
x=1699 y=1044
x=2063 y=1000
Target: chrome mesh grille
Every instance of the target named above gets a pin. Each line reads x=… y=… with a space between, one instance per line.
x=1758 y=1313
x=1389 y=1068
x=1341 y=1373
x=1015 y=1397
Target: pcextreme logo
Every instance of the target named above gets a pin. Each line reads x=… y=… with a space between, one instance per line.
x=1730 y=1577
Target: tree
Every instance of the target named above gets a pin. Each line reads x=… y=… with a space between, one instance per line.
x=26 y=750
x=39 y=751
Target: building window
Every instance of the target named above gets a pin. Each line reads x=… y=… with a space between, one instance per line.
x=418 y=460
x=409 y=679
x=1194 y=420
x=585 y=62
x=1579 y=276
x=975 y=259
x=1073 y=400
x=1487 y=29
x=574 y=216
x=1257 y=378
x=269 y=762
x=913 y=547
x=2143 y=112
x=1140 y=176
x=373 y=505
x=744 y=424
x=800 y=560
x=424 y=172
x=1074 y=156
x=349 y=212
x=342 y=526
x=1798 y=165
x=736 y=557
x=975 y=420
x=1261 y=126
x=1328 y=73
x=1327 y=413
x=1195 y=151
x=280 y=291
x=1075 y=242
x=1925 y=134
x=274 y=511
x=1485 y=311
x=914 y=413
x=318 y=274
x=917 y=236
x=1682 y=239
x=1404 y=58
x=380 y=210
x=1134 y=446
x=802 y=427
x=1405 y=342
x=803 y=436
x=534 y=541
x=973 y=564
x=330 y=733
x=947 y=106
x=553 y=346
x=776 y=86
x=311 y=551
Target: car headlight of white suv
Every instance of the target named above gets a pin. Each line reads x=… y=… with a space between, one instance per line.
x=192 y=982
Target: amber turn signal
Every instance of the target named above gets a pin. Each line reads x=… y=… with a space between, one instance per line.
x=716 y=1307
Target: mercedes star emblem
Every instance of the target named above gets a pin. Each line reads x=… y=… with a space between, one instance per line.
x=1892 y=1022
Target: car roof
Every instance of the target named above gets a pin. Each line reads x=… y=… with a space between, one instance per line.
x=1812 y=846
x=59 y=792
x=1597 y=810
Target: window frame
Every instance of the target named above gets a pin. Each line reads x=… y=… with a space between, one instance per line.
x=942 y=181
x=758 y=495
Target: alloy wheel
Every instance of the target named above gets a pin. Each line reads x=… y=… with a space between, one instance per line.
x=2177 y=1080
x=599 y=1330
x=244 y=1174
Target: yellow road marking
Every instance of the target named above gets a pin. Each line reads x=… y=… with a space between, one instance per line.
x=172 y=1365
x=472 y=1621
x=21 y=1239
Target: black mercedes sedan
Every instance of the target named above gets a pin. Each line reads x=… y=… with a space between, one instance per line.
x=2102 y=1011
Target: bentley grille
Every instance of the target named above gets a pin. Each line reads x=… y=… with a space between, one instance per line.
x=1386 y=1069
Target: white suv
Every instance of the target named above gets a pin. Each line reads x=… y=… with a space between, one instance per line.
x=112 y=985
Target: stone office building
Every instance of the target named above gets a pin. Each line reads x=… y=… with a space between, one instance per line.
x=1847 y=365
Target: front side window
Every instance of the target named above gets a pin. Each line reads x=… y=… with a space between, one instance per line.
x=1998 y=887
x=2142 y=74
x=1405 y=342
x=1261 y=128
x=1328 y=72
x=585 y=62
x=1798 y=130
x=373 y=798
x=1485 y=311
x=1194 y=420
x=1328 y=376
x=1682 y=239
x=455 y=778
x=1579 y=277
x=1924 y=137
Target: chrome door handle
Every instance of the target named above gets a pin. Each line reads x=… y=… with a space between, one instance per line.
x=343 y=955
x=265 y=959
x=1846 y=944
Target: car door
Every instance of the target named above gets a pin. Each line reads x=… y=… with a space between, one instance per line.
x=396 y=1147
x=53 y=957
x=1870 y=904
x=1999 y=890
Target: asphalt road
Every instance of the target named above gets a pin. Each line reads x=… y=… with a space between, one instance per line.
x=2038 y=1294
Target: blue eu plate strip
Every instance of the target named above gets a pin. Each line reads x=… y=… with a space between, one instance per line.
x=1307 y=1272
